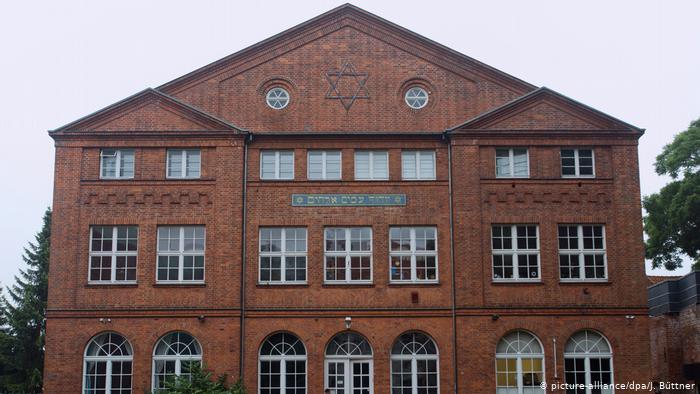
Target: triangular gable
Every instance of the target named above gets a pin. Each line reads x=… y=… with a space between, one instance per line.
x=149 y=110
x=544 y=109
x=348 y=15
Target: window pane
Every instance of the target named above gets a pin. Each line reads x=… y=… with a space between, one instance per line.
x=362 y=169
x=108 y=162
x=126 y=166
x=316 y=165
x=503 y=163
x=520 y=165
x=193 y=163
x=286 y=165
x=380 y=161
x=267 y=164
x=408 y=165
x=175 y=163
x=333 y=164
x=427 y=165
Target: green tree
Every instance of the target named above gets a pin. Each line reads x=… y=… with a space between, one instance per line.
x=201 y=382
x=24 y=318
x=672 y=222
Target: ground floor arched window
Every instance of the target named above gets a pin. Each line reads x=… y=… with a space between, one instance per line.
x=349 y=365
x=173 y=356
x=588 y=361
x=107 y=366
x=519 y=364
x=282 y=365
x=414 y=365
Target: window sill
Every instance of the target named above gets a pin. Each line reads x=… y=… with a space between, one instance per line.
x=348 y=284
x=588 y=282
x=179 y=284
x=267 y=285
x=414 y=284
x=111 y=284
x=517 y=282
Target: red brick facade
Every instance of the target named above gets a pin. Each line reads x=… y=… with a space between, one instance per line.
x=221 y=110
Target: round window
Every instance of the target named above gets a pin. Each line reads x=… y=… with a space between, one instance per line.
x=416 y=97
x=277 y=98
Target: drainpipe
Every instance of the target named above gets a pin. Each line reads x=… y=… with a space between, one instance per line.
x=248 y=139
x=452 y=257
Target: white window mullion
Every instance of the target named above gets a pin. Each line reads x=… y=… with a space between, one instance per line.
x=414 y=375
x=113 y=268
x=108 y=378
x=587 y=368
x=283 y=258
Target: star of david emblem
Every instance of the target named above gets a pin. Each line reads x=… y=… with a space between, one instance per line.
x=347 y=85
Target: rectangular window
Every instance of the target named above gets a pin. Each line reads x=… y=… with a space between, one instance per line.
x=277 y=165
x=413 y=254
x=348 y=255
x=181 y=254
x=418 y=165
x=324 y=165
x=184 y=163
x=577 y=163
x=113 y=254
x=516 y=252
x=116 y=163
x=283 y=255
x=582 y=252
x=371 y=165
x=512 y=163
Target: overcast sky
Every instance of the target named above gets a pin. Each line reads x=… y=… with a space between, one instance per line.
x=60 y=60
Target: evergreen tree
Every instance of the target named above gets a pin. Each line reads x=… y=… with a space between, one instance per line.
x=201 y=381
x=24 y=319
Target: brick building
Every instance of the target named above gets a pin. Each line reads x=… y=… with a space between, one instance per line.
x=348 y=205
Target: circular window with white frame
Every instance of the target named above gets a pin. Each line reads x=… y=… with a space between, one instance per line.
x=416 y=97
x=277 y=98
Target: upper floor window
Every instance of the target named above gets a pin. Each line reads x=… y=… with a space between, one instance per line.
x=277 y=98
x=371 y=165
x=512 y=163
x=582 y=252
x=324 y=164
x=348 y=254
x=418 y=165
x=282 y=255
x=181 y=254
x=113 y=253
x=116 y=163
x=277 y=165
x=184 y=163
x=413 y=253
x=577 y=163
x=516 y=252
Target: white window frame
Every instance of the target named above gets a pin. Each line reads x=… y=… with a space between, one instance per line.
x=324 y=156
x=581 y=252
x=118 y=155
x=269 y=98
x=414 y=96
x=282 y=358
x=348 y=254
x=184 y=153
x=587 y=362
x=181 y=253
x=414 y=365
x=372 y=176
x=348 y=360
x=519 y=366
x=114 y=254
x=109 y=359
x=577 y=164
x=277 y=176
x=413 y=253
x=178 y=358
x=511 y=162
x=283 y=254
x=416 y=155
x=514 y=252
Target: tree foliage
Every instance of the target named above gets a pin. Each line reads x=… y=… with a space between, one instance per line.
x=672 y=222
x=23 y=317
x=201 y=382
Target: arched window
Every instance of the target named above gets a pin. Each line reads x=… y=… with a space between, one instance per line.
x=588 y=361
x=519 y=364
x=349 y=364
x=174 y=355
x=414 y=365
x=107 y=365
x=282 y=365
